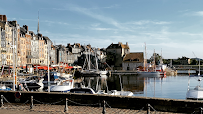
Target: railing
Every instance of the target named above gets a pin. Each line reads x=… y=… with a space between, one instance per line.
x=53 y=108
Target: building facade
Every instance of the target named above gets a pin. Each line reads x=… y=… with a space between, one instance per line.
x=115 y=54
x=132 y=61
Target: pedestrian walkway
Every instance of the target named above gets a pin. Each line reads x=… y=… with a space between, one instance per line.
x=59 y=109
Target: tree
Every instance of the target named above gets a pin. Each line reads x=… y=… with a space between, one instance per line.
x=157 y=58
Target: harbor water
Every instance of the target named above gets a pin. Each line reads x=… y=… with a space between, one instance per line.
x=174 y=87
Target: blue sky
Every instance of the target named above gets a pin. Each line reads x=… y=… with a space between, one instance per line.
x=173 y=26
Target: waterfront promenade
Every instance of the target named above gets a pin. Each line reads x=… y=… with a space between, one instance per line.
x=59 y=109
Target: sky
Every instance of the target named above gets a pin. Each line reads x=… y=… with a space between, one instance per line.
x=171 y=28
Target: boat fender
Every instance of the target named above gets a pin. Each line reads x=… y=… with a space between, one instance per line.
x=20 y=86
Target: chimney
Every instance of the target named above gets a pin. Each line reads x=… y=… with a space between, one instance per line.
x=127 y=43
x=1 y=17
x=4 y=18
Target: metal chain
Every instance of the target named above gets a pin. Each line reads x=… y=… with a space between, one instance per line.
x=22 y=103
x=83 y=104
x=140 y=110
x=152 y=107
x=48 y=103
x=14 y=105
x=193 y=112
x=107 y=104
x=6 y=100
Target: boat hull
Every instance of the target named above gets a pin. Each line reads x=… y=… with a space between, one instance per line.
x=149 y=74
x=194 y=94
x=56 y=88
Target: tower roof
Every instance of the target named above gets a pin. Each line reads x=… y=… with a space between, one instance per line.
x=38 y=23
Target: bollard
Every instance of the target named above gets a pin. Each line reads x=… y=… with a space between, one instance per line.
x=200 y=110
x=148 y=108
x=66 y=106
x=31 y=105
x=104 y=108
x=2 y=101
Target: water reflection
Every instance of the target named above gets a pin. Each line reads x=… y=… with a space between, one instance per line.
x=131 y=83
x=169 y=87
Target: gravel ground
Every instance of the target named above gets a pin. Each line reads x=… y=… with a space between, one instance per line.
x=59 y=109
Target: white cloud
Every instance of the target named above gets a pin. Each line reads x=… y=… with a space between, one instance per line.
x=101 y=29
x=144 y=22
x=97 y=16
x=199 y=13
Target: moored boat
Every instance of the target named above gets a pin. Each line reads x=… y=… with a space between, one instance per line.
x=195 y=93
x=63 y=86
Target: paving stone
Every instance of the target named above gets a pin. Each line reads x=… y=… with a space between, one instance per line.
x=59 y=109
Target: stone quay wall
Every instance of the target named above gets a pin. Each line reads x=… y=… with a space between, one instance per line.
x=126 y=102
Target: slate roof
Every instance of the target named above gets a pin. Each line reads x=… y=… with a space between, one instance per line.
x=119 y=45
x=134 y=57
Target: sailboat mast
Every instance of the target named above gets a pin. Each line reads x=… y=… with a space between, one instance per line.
x=145 y=59
x=89 y=60
x=154 y=62
x=199 y=67
x=86 y=59
x=96 y=59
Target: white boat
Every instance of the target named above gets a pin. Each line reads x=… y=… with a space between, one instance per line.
x=32 y=83
x=122 y=93
x=103 y=72
x=80 y=88
x=116 y=92
x=54 y=79
x=63 y=86
x=4 y=88
x=195 y=93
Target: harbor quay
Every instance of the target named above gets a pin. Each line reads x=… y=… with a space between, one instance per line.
x=96 y=102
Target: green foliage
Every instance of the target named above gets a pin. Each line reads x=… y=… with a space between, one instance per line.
x=157 y=58
x=193 y=62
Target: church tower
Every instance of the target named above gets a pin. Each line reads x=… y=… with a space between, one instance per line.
x=38 y=24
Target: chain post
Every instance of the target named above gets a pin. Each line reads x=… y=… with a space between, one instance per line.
x=148 y=108
x=104 y=108
x=200 y=110
x=66 y=106
x=2 y=101
x=31 y=105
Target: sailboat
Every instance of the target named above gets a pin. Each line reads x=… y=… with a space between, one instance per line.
x=89 y=71
x=146 y=72
x=195 y=93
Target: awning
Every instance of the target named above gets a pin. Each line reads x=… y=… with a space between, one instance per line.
x=46 y=68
